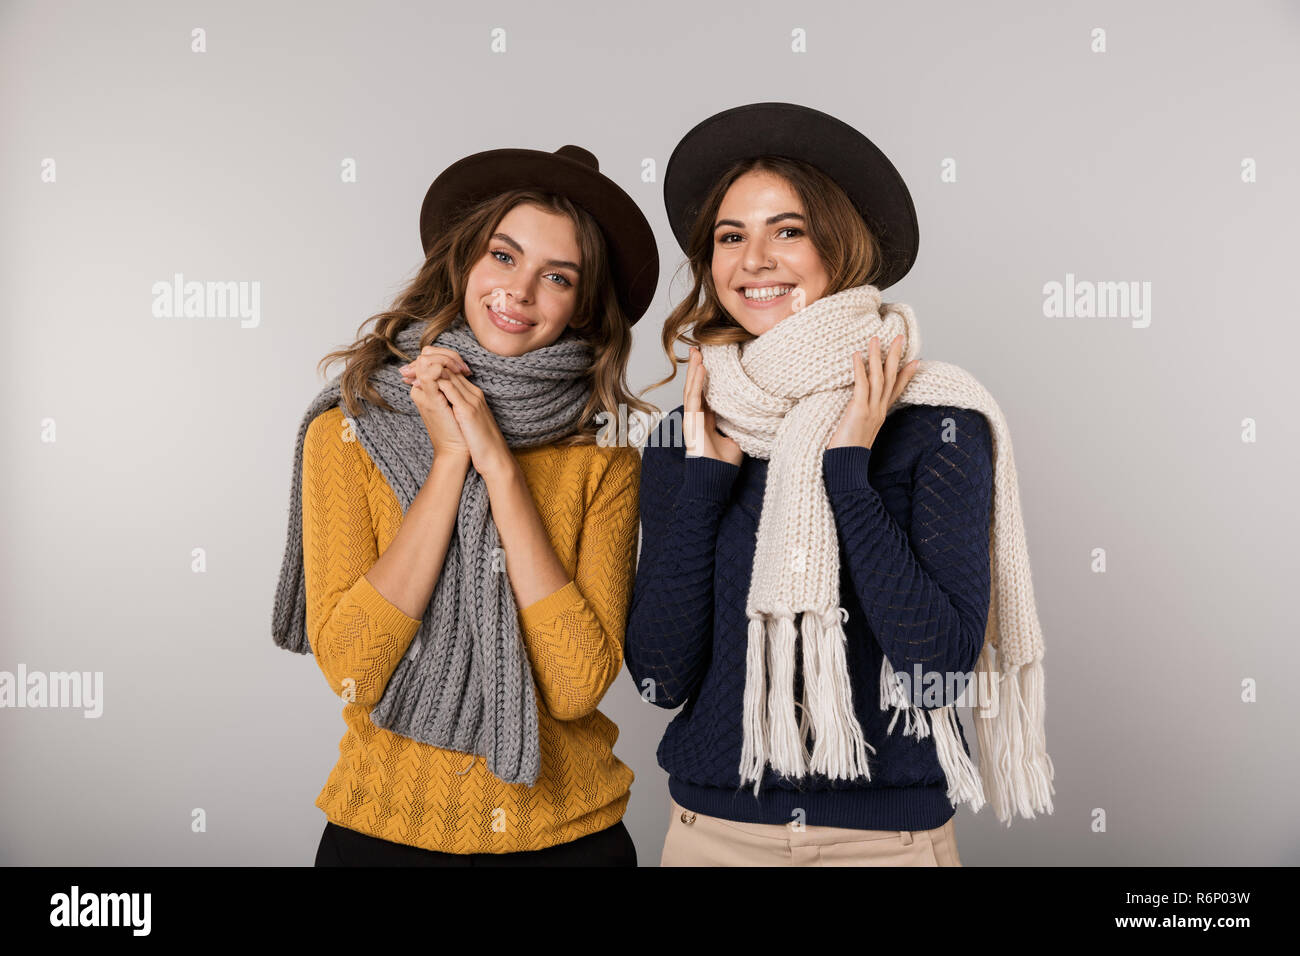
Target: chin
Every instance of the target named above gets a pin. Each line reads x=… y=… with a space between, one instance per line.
x=489 y=335
x=753 y=323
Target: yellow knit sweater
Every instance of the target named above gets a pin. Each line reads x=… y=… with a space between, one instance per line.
x=400 y=789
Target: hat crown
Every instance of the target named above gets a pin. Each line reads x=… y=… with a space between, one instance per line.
x=580 y=155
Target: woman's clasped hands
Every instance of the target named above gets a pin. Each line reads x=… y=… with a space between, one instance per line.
x=455 y=411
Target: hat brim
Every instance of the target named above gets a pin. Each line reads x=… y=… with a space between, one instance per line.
x=865 y=174
x=633 y=253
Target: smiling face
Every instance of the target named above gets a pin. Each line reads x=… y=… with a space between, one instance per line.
x=522 y=293
x=764 y=262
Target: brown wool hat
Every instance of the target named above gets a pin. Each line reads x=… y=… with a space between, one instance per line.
x=572 y=172
x=798 y=132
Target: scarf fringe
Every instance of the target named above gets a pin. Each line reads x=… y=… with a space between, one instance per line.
x=772 y=734
x=892 y=695
x=962 y=776
x=964 y=784
x=839 y=747
x=1014 y=769
x=786 y=753
x=1014 y=766
x=1019 y=774
x=753 y=751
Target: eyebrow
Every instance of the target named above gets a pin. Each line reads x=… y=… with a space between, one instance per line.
x=771 y=220
x=563 y=263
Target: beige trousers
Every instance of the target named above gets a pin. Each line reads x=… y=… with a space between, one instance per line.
x=696 y=839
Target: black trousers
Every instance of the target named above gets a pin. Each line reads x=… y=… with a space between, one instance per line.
x=340 y=846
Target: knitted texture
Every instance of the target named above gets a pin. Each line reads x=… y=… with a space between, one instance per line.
x=912 y=516
x=780 y=397
x=464 y=683
x=396 y=788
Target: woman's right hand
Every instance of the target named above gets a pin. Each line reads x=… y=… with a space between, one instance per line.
x=699 y=424
x=431 y=364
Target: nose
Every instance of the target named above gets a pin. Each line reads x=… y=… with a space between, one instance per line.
x=516 y=291
x=521 y=290
x=756 y=254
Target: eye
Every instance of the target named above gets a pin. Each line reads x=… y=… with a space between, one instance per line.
x=794 y=229
x=510 y=259
x=722 y=239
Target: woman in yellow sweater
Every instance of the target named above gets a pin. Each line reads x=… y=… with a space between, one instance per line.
x=468 y=539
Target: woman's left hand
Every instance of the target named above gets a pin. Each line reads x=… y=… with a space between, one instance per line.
x=488 y=450
x=875 y=389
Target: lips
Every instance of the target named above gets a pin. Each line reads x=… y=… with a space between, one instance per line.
x=503 y=320
x=771 y=291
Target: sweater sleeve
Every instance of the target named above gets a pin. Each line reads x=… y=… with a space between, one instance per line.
x=926 y=593
x=670 y=628
x=574 y=635
x=357 y=636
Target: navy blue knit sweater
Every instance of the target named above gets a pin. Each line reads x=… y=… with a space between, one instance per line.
x=912 y=515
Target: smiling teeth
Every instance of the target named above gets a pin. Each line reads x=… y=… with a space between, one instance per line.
x=506 y=318
x=770 y=292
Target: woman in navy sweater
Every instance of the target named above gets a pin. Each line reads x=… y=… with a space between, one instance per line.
x=912 y=514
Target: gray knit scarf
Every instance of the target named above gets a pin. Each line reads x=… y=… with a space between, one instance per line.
x=465 y=684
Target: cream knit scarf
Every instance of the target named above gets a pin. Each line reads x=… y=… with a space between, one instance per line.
x=780 y=397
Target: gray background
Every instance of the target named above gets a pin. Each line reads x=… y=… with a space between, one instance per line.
x=177 y=434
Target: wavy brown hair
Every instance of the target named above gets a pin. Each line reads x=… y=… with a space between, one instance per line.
x=437 y=295
x=848 y=248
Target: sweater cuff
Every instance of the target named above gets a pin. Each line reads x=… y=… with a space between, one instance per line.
x=545 y=610
x=845 y=468
x=385 y=616
x=709 y=478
